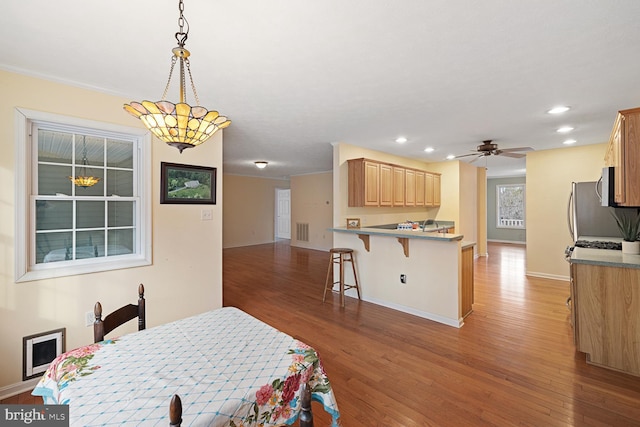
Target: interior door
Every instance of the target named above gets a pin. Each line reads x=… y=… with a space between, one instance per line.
x=283 y=213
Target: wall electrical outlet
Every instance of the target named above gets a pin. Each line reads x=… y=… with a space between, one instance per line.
x=88 y=318
x=403 y=278
x=206 y=215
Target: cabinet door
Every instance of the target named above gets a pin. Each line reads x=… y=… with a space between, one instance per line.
x=631 y=158
x=618 y=160
x=409 y=187
x=466 y=302
x=428 y=189
x=386 y=185
x=436 y=190
x=398 y=186
x=371 y=184
x=420 y=188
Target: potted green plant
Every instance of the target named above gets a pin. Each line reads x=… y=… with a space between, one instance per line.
x=629 y=225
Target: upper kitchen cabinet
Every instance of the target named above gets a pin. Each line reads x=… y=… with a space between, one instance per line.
x=374 y=183
x=623 y=153
x=364 y=183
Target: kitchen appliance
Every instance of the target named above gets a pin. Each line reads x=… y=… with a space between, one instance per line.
x=607 y=190
x=585 y=214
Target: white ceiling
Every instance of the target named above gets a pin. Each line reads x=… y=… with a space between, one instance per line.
x=295 y=76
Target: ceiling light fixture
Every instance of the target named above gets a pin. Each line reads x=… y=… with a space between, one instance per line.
x=451 y=156
x=401 y=140
x=569 y=142
x=261 y=165
x=429 y=149
x=559 y=109
x=565 y=129
x=179 y=125
x=84 y=180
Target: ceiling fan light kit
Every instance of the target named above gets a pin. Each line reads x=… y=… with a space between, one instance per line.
x=179 y=125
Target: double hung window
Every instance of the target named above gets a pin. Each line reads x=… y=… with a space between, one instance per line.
x=86 y=205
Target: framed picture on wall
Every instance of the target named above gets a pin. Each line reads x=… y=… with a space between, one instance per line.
x=187 y=184
x=353 y=222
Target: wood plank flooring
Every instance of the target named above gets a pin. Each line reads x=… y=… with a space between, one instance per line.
x=512 y=363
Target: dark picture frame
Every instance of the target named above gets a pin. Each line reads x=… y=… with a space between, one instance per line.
x=187 y=184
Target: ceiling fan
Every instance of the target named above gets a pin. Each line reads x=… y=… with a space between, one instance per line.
x=488 y=148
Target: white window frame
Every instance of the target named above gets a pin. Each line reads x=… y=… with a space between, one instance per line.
x=519 y=225
x=25 y=267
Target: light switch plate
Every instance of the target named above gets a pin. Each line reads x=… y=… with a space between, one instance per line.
x=206 y=214
x=88 y=318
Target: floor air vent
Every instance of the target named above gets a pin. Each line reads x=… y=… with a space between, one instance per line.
x=302 y=232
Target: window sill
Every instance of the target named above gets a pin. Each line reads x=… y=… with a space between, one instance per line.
x=75 y=270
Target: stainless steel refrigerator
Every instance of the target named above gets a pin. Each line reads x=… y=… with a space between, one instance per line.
x=585 y=214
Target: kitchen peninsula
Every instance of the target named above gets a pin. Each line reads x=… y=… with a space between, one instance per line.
x=437 y=267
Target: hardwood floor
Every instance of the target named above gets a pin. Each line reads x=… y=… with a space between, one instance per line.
x=512 y=363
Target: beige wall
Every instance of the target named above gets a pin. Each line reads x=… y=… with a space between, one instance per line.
x=481 y=247
x=549 y=177
x=187 y=252
x=249 y=210
x=312 y=203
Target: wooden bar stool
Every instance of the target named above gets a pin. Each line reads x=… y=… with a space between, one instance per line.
x=340 y=256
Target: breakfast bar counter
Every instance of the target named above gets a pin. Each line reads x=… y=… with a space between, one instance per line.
x=417 y=272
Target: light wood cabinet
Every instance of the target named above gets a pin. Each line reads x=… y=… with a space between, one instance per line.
x=623 y=153
x=409 y=187
x=428 y=189
x=436 y=189
x=466 y=300
x=386 y=185
x=364 y=183
x=420 y=192
x=606 y=315
x=398 y=186
x=374 y=183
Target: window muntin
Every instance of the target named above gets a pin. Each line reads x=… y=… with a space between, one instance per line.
x=510 y=209
x=74 y=230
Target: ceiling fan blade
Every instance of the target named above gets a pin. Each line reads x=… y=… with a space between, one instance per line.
x=476 y=159
x=509 y=150
x=514 y=155
x=467 y=155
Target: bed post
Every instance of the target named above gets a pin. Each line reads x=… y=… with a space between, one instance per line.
x=306 y=417
x=175 y=411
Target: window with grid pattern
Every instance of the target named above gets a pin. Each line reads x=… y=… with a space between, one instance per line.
x=76 y=224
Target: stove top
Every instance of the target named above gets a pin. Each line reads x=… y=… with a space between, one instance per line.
x=598 y=244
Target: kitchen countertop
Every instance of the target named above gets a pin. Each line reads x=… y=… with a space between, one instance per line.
x=604 y=257
x=411 y=234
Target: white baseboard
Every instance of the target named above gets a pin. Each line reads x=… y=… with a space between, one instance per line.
x=430 y=316
x=547 y=276
x=13 y=389
x=515 y=242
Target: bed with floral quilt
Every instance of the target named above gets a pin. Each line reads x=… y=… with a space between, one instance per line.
x=229 y=368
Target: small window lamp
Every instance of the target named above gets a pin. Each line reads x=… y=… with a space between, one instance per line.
x=261 y=164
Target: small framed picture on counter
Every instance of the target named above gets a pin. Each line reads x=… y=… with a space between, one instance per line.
x=353 y=222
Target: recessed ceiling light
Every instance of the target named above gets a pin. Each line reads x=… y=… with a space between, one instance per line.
x=451 y=156
x=569 y=142
x=401 y=140
x=564 y=129
x=261 y=165
x=429 y=149
x=559 y=109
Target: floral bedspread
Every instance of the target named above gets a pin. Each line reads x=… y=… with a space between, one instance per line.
x=229 y=369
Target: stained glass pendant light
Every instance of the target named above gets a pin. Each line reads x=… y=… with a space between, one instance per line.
x=84 y=180
x=179 y=125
